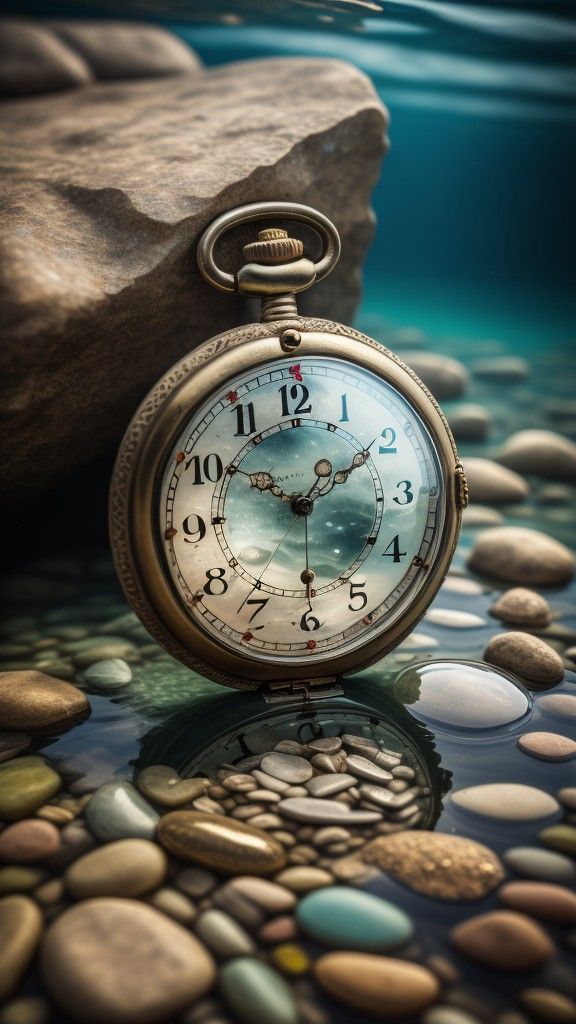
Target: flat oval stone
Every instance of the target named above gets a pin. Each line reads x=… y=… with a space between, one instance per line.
x=453 y=619
x=522 y=607
x=506 y=801
x=545 y=865
x=33 y=701
x=520 y=555
x=16 y=878
x=364 y=768
x=123 y=962
x=561 y=704
x=347 y=918
x=503 y=939
x=223 y=936
x=128 y=867
x=541 y=453
x=267 y=782
x=548 y=1006
x=20 y=930
x=567 y=797
x=269 y=896
x=461 y=694
x=324 y=812
x=108 y=675
x=25 y=784
x=330 y=784
x=256 y=993
x=548 y=746
x=491 y=484
x=526 y=656
x=220 y=843
x=12 y=744
x=29 y=840
x=379 y=985
x=543 y=900
x=325 y=745
x=288 y=768
x=436 y=864
x=164 y=786
x=304 y=878
x=560 y=837
x=174 y=904
x=117 y=811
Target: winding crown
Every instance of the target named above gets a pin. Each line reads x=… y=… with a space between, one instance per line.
x=273 y=246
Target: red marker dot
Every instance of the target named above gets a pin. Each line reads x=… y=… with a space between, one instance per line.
x=311 y=645
x=294 y=371
x=180 y=456
x=232 y=396
x=247 y=636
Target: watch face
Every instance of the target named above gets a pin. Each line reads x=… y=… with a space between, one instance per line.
x=300 y=509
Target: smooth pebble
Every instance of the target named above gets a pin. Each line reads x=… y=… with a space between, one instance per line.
x=547 y=746
x=118 y=811
x=506 y=801
x=256 y=993
x=379 y=985
x=127 y=867
x=346 y=918
x=288 y=768
x=503 y=939
x=525 y=655
x=220 y=843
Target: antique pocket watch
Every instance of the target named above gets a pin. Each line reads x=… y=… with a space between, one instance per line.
x=286 y=500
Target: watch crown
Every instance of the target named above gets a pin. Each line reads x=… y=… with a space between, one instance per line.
x=273 y=246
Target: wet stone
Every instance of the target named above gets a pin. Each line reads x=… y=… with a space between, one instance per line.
x=506 y=801
x=174 y=904
x=25 y=784
x=329 y=785
x=561 y=838
x=287 y=767
x=17 y=878
x=28 y=840
x=359 y=980
x=196 y=882
x=492 y=484
x=527 y=656
x=548 y=1006
x=222 y=935
x=325 y=812
x=543 y=900
x=304 y=879
x=466 y=695
x=547 y=746
x=453 y=619
x=108 y=675
x=256 y=993
x=12 y=744
x=128 y=867
x=325 y=745
x=522 y=607
x=561 y=704
x=538 y=863
x=272 y=897
x=220 y=843
x=363 y=768
x=567 y=797
x=503 y=939
x=31 y=701
x=20 y=931
x=347 y=918
x=163 y=785
x=117 y=811
x=521 y=555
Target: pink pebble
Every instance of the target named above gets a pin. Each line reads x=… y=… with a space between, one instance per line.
x=29 y=840
x=279 y=929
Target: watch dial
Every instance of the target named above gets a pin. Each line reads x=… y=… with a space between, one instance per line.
x=300 y=509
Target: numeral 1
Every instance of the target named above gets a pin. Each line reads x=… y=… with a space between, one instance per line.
x=344 y=416
x=211 y=466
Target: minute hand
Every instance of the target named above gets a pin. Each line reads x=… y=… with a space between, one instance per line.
x=340 y=476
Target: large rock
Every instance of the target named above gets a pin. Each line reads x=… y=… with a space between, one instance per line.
x=106 y=192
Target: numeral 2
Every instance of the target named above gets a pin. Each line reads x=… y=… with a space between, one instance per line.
x=389 y=436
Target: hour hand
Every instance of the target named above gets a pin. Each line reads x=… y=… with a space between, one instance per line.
x=263 y=481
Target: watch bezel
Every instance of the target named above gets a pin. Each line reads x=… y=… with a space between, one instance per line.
x=136 y=546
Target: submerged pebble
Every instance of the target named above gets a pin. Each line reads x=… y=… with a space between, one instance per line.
x=545 y=865
x=548 y=746
x=117 y=811
x=164 y=786
x=561 y=838
x=491 y=484
x=25 y=784
x=507 y=801
x=562 y=704
x=540 y=453
x=453 y=619
x=469 y=695
x=379 y=985
x=544 y=900
x=346 y=918
x=503 y=939
x=108 y=675
x=256 y=993
x=31 y=701
x=220 y=843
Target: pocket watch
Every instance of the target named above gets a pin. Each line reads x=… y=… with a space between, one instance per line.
x=286 y=500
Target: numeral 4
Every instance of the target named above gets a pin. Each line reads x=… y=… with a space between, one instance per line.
x=395 y=554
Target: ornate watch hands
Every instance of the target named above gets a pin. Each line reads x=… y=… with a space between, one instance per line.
x=263 y=481
x=323 y=469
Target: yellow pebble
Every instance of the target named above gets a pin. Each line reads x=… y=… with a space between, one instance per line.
x=290 y=958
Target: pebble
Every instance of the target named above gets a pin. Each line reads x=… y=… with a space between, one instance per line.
x=561 y=838
x=196 y=882
x=291 y=959
x=272 y=897
x=31 y=701
x=522 y=607
x=174 y=904
x=75 y=839
x=221 y=843
x=268 y=782
x=121 y=961
x=492 y=484
x=452 y=619
x=445 y=377
x=366 y=769
x=325 y=812
x=501 y=369
x=330 y=784
x=25 y=784
x=379 y=985
x=279 y=929
x=449 y=1015
x=464 y=695
x=240 y=783
x=108 y=675
x=436 y=864
x=547 y=746
x=330 y=834
x=304 y=879
x=287 y=767
x=567 y=797
x=29 y=840
x=469 y=422
x=326 y=745
x=526 y=655
x=506 y=801
x=520 y=555
x=223 y=936
x=540 y=453
x=105 y=649
x=548 y=1006
x=256 y=993
x=562 y=704
x=25 y=1010
x=346 y=918
x=20 y=931
x=12 y=744
x=117 y=811
x=164 y=786
x=545 y=865
x=20 y=878
x=503 y=939
x=543 y=900
x=127 y=867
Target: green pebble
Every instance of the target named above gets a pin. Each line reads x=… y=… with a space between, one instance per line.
x=19 y=878
x=561 y=838
x=25 y=784
x=256 y=993
x=107 y=675
x=344 y=918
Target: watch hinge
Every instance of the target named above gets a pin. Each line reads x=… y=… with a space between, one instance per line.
x=290 y=691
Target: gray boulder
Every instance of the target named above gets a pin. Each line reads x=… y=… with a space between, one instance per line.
x=106 y=191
